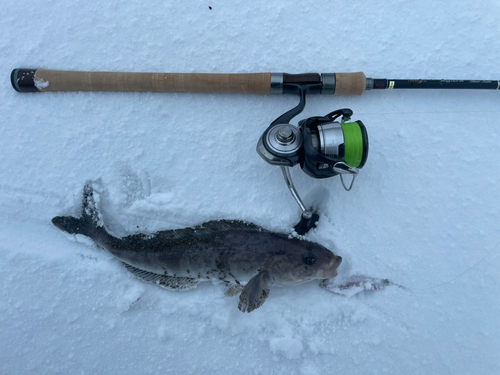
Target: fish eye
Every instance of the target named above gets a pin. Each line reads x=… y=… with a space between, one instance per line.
x=309 y=259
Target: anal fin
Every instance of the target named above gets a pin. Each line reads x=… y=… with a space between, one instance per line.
x=169 y=282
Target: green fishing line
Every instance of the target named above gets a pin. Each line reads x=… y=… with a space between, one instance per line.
x=353 y=143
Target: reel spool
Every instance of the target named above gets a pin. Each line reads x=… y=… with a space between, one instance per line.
x=332 y=148
x=322 y=146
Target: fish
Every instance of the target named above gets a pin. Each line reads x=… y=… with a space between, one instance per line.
x=246 y=257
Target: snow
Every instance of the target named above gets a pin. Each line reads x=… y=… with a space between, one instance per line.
x=423 y=213
x=41 y=84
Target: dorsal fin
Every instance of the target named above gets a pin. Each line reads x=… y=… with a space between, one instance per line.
x=212 y=227
x=215 y=226
x=173 y=237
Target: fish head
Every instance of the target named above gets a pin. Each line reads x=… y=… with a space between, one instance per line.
x=303 y=263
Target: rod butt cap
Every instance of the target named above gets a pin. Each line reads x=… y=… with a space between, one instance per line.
x=23 y=80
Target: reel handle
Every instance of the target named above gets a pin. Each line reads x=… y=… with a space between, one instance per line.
x=308 y=219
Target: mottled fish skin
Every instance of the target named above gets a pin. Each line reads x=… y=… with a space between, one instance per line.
x=226 y=251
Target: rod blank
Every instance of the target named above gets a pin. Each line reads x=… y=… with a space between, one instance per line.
x=443 y=84
x=41 y=80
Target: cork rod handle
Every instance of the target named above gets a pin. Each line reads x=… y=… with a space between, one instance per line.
x=350 y=83
x=60 y=80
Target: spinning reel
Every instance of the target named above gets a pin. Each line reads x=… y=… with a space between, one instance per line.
x=322 y=146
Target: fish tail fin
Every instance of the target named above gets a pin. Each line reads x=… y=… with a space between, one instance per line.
x=90 y=220
x=72 y=225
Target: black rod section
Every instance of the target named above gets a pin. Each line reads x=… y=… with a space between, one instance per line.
x=382 y=84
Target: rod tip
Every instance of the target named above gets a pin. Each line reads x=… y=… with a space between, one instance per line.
x=23 y=80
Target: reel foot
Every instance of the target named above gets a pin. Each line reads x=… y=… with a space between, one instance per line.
x=307 y=221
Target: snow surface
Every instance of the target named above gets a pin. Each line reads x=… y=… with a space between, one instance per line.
x=424 y=212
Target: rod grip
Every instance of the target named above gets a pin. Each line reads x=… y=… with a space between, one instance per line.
x=350 y=83
x=59 y=80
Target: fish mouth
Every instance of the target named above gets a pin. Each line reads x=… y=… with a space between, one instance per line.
x=330 y=270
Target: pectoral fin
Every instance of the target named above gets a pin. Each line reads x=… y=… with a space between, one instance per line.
x=255 y=293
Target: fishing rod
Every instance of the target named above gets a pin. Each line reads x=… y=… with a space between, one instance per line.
x=323 y=146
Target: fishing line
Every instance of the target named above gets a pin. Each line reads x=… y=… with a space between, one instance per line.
x=464 y=272
x=353 y=144
x=425 y=112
